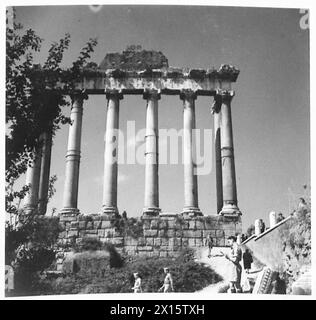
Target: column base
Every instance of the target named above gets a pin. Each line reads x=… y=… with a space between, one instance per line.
x=191 y=212
x=110 y=211
x=151 y=211
x=30 y=209
x=69 y=211
x=230 y=209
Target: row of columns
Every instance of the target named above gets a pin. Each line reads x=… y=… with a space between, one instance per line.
x=37 y=176
x=224 y=156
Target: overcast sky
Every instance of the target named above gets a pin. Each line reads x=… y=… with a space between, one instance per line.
x=270 y=110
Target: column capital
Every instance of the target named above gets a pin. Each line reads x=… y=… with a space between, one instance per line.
x=217 y=103
x=114 y=94
x=188 y=94
x=152 y=94
x=79 y=95
x=224 y=95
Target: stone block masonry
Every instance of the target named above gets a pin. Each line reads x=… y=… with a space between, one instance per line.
x=149 y=236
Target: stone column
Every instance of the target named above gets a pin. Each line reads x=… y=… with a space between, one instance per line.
x=228 y=163
x=71 y=186
x=272 y=219
x=257 y=227
x=190 y=178
x=151 y=203
x=45 y=171
x=216 y=111
x=30 y=202
x=111 y=153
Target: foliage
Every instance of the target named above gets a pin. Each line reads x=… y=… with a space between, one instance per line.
x=34 y=98
x=188 y=276
x=33 y=232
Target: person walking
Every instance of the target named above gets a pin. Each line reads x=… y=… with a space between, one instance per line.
x=234 y=257
x=168 y=282
x=209 y=242
x=247 y=259
x=138 y=283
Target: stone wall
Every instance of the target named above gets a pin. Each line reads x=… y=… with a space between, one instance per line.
x=160 y=236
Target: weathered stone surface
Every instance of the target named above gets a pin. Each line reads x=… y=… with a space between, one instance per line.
x=150 y=233
x=72 y=233
x=220 y=242
x=131 y=241
x=178 y=233
x=200 y=224
x=141 y=241
x=163 y=224
x=82 y=233
x=82 y=225
x=209 y=232
x=105 y=224
x=154 y=224
x=134 y=58
x=91 y=231
x=192 y=224
x=118 y=241
x=62 y=234
x=157 y=241
x=89 y=225
x=219 y=233
x=192 y=233
x=149 y=241
x=191 y=242
x=97 y=224
x=171 y=224
x=199 y=242
x=185 y=242
x=163 y=254
x=101 y=233
x=144 y=248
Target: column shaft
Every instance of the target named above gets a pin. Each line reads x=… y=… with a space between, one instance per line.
x=227 y=154
x=218 y=161
x=30 y=202
x=151 y=202
x=190 y=178
x=70 y=199
x=111 y=154
x=45 y=171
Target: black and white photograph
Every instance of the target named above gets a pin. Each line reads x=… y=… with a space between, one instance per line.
x=154 y=150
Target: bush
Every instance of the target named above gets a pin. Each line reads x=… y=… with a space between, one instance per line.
x=188 y=276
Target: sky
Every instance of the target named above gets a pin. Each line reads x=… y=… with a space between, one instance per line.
x=270 y=110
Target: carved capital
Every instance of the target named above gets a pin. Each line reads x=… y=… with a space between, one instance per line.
x=228 y=72
x=79 y=96
x=114 y=94
x=187 y=94
x=216 y=105
x=152 y=94
x=224 y=95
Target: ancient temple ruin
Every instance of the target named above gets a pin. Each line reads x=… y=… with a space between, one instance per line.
x=149 y=81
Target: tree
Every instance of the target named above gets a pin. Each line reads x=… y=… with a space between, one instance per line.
x=35 y=98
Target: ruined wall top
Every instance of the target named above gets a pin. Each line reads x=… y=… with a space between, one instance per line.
x=134 y=58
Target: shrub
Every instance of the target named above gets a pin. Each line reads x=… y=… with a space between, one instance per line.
x=188 y=276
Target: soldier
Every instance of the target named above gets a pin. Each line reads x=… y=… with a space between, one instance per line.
x=168 y=282
x=209 y=243
x=234 y=257
x=138 y=283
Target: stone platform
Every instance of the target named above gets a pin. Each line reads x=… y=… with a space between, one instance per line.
x=160 y=236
